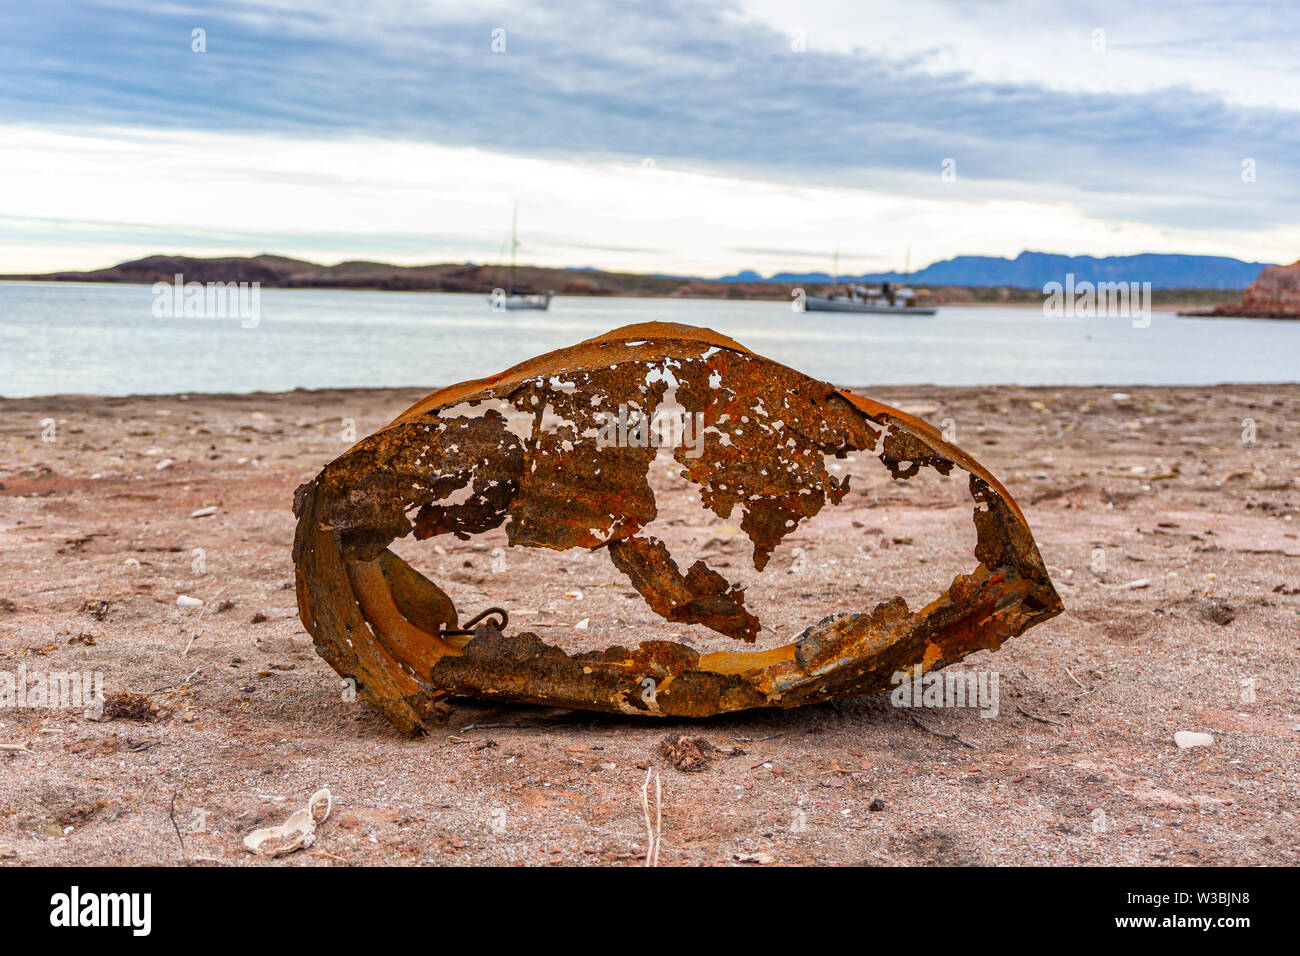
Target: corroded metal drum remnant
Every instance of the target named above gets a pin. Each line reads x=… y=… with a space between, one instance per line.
x=528 y=449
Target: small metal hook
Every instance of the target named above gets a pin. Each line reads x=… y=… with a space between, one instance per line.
x=500 y=612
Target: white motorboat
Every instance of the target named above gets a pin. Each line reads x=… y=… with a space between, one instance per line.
x=886 y=299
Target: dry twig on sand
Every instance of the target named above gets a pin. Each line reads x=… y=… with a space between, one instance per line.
x=1086 y=690
x=938 y=733
x=654 y=831
x=171 y=812
x=1044 y=720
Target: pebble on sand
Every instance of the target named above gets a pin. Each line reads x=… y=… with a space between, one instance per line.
x=185 y=600
x=1187 y=738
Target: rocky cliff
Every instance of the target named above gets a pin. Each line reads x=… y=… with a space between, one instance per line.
x=1274 y=295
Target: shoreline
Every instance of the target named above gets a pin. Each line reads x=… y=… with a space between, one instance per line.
x=1263 y=316
x=383 y=390
x=1025 y=298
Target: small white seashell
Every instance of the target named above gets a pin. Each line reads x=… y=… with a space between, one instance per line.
x=295 y=833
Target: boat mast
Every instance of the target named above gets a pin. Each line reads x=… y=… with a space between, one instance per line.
x=514 y=244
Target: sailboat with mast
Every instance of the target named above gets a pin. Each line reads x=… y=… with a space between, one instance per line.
x=509 y=297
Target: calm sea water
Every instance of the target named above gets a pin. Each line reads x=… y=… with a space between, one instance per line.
x=105 y=339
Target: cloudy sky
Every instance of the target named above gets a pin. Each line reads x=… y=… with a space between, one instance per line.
x=683 y=136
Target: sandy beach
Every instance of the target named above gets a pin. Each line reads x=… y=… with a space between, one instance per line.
x=1168 y=517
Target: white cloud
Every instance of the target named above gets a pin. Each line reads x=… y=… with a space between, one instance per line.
x=1243 y=52
x=94 y=197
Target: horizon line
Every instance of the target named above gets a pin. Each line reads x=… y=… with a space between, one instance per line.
x=731 y=277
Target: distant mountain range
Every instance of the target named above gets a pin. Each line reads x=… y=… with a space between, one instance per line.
x=962 y=279
x=1032 y=270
